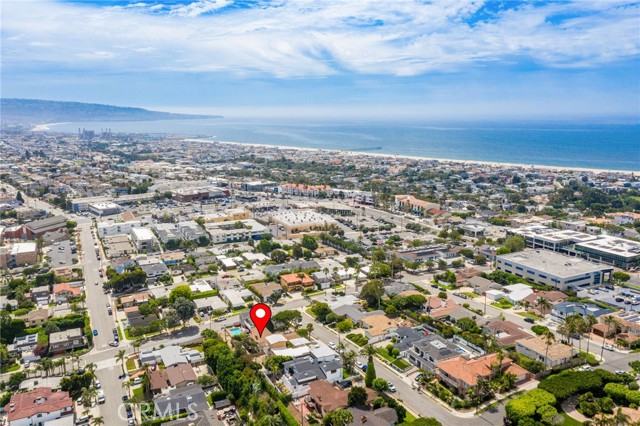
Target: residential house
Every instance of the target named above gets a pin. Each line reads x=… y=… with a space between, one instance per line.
x=171 y=355
x=384 y=416
x=355 y=313
x=134 y=299
x=154 y=271
x=265 y=290
x=300 y=372
x=440 y=308
x=175 y=376
x=67 y=340
x=377 y=327
x=325 y=397
x=23 y=344
x=322 y=279
x=190 y=398
x=506 y=333
x=40 y=295
x=297 y=282
x=480 y=285
x=64 y=292
x=136 y=319
x=464 y=374
x=173 y=258
x=554 y=355
x=566 y=309
x=36 y=317
x=426 y=352
x=554 y=297
x=236 y=298
x=38 y=406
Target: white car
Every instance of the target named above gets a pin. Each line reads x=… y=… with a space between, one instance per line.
x=585 y=368
x=97 y=384
x=333 y=345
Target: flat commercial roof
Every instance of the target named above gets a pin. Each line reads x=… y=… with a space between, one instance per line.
x=553 y=263
x=614 y=246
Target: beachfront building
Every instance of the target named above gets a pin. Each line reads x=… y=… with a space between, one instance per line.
x=553 y=269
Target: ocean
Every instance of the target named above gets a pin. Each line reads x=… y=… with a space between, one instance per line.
x=597 y=146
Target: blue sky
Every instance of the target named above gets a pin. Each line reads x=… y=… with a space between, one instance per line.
x=423 y=59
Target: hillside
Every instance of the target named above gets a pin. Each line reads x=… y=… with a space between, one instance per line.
x=36 y=111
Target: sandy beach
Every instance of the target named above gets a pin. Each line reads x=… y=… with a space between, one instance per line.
x=537 y=167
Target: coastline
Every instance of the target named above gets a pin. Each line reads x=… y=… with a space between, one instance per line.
x=539 y=167
x=45 y=127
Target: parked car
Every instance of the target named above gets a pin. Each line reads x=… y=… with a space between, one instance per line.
x=220 y=319
x=392 y=388
x=530 y=320
x=333 y=345
x=95 y=332
x=97 y=384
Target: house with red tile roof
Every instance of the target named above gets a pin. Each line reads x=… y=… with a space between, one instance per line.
x=38 y=406
x=298 y=281
x=463 y=374
x=65 y=291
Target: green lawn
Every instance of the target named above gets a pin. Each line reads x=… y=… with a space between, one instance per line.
x=119 y=332
x=384 y=354
x=409 y=418
x=502 y=305
x=470 y=295
x=569 y=421
x=11 y=368
x=131 y=364
x=529 y=315
x=237 y=311
x=401 y=363
x=137 y=391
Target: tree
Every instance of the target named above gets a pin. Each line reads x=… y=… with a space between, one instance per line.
x=278 y=256
x=621 y=276
x=514 y=243
x=185 y=309
x=590 y=321
x=320 y=310
x=171 y=318
x=264 y=246
x=297 y=252
x=379 y=270
x=50 y=327
x=349 y=360
x=180 y=291
x=380 y=385
x=357 y=397
x=309 y=242
x=544 y=306
x=372 y=292
x=275 y=296
x=549 y=338
x=97 y=421
x=609 y=321
x=480 y=260
x=205 y=380
x=120 y=358
x=339 y=417
x=19 y=197
x=271 y=420
x=286 y=319
x=370 y=375
x=126 y=385
x=344 y=326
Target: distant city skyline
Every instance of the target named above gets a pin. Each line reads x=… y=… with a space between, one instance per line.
x=359 y=59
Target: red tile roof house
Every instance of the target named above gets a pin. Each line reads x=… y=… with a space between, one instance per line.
x=64 y=292
x=38 y=406
x=463 y=374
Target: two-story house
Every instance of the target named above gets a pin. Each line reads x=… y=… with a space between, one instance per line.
x=298 y=373
x=554 y=355
x=38 y=406
x=67 y=340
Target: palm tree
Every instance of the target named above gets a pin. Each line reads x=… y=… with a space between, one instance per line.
x=548 y=338
x=544 y=306
x=563 y=331
x=590 y=321
x=127 y=385
x=60 y=363
x=577 y=325
x=339 y=417
x=91 y=368
x=348 y=360
x=136 y=345
x=97 y=421
x=609 y=321
x=369 y=351
x=269 y=420
x=46 y=365
x=620 y=417
x=120 y=358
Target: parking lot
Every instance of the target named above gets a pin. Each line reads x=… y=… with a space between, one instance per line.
x=61 y=254
x=618 y=297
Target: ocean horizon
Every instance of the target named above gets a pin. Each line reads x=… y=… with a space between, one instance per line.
x=614 y=146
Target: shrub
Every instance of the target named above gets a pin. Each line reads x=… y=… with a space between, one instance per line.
x=539 y=329
x=568 y=383
x=633 y=396
x=616 y=391
x=589 y=409
x=528 y=403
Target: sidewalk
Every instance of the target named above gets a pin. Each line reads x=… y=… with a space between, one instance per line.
x=569 y=407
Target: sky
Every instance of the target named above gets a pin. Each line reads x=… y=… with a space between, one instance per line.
x=440 y=59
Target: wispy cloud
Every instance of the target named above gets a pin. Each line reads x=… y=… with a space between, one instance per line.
x=304 y=38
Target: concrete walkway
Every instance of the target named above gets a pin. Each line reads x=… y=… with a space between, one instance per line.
x=569 y=407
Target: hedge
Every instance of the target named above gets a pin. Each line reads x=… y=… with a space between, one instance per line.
x=204 y=294
x=567 y=383
x=527 y=404
x=286 y=415
x=358 y=339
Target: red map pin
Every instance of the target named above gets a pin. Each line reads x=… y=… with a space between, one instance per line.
x=260 y=315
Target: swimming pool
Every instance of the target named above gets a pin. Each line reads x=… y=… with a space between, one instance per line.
x=235 y=331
